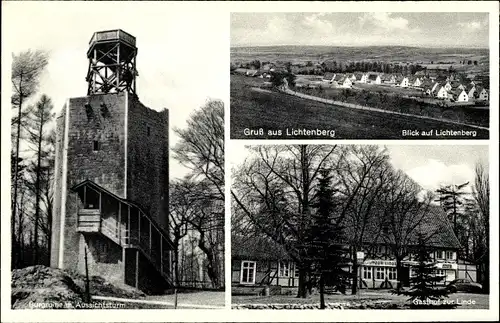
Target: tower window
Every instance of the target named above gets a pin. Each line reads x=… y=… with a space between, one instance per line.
x=96 y=145
x=149 y=131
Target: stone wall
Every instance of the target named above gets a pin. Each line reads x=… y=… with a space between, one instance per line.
x=147 y=160
x=95 y=151
x=104 y=258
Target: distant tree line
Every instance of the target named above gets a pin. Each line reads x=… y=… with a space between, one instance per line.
x=364 y=66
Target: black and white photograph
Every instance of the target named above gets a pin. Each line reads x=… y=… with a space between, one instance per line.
x=249 y=161
x=117 y=175
x=360 y=227
x=360 y=75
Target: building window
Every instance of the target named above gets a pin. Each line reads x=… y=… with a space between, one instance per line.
x=96 y=146
x=248 y=272
x=440 y=273
x=295 y=270
x=440 y=255
x=367 y=272
x=450 y=255
x=392 y=273
x=379 y=273
x=149 y=131
x=284 y=269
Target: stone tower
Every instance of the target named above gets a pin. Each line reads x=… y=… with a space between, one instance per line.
x=111 y=173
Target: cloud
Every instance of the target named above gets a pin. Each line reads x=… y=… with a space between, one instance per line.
x=435 y=173
x=317 y=24
x=385 y=21
x=275 y=31
x=471 y=25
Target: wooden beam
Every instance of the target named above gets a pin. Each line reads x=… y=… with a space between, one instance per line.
x=118 y=69
x=124 y=266
x=150 y=239
x=139 y=225
x=161 y=254
x=128 y=220
x=100 y=202
x=120 y=222
x=137 y=268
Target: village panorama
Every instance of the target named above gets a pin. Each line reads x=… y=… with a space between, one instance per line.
x=355 y=92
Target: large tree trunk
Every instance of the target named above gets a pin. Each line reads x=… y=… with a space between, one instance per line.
x=15 y=253
x=211 y=261
x=398 y=273
x=354 y=286
x=37 y=187
x=176 y=261
x=303 y=291
x=322 y=304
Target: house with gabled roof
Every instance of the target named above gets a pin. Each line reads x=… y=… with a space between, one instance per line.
x=403 y=81
x=257 y=262
x=427 y=86
x=341 y=80
x=374 y=79
x=471 y=91
x=388 y=79
x=440 y=92
x=353 y=78
x=459 y=95
x=482 y=94
x=361 y=77
x=447 y=86
x=416 y=82
x=457 y=84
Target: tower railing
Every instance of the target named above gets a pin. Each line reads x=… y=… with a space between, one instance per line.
x=110 y=35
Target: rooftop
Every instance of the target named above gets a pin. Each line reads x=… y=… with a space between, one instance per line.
x=112 y=35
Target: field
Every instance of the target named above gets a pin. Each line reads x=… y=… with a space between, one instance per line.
x=394 y=54
x=274 y=111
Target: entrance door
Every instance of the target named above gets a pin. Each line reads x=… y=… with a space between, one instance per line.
x=405 y=276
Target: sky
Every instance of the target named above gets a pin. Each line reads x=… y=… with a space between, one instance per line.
x=179 y=66
x=429 y=165
x=436 y=165
x=426 y=29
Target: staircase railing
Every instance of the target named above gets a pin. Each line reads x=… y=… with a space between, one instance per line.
x=110 y=229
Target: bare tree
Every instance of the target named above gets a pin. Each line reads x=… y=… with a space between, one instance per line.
x=481 y=195
x=26 y=70
x=404 y=212
x=181 y=210
x=201 y=145
x=363 y=176
x=275 y=191
x=40 y=118
x=201 y=149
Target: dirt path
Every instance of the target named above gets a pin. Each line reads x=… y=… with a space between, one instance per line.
x=202 y=300
x=360 y=107
x=258 y=89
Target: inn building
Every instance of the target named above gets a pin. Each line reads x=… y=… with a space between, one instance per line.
x=259 y=262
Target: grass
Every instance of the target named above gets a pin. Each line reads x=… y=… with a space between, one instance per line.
x=277 y=111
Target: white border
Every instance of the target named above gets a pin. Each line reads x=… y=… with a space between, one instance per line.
x=285 y=315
